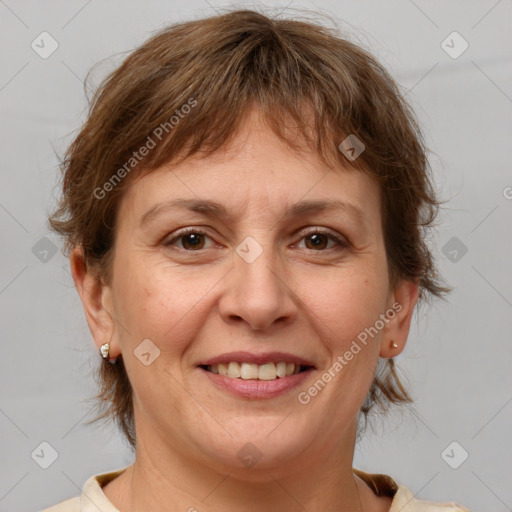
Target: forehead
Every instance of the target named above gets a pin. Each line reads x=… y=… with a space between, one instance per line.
x=255 y=172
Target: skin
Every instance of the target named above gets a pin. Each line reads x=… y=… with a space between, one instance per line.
x=195 y=304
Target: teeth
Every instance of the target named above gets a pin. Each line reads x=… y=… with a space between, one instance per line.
x=267 y=371
x=281 y=369
x=248 y=371
x=234 y=370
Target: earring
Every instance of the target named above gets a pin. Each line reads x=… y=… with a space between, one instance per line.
x=393 y=344
x=104 y=351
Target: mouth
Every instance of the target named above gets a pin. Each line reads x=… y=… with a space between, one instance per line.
x=252 y=371
x=257 y=376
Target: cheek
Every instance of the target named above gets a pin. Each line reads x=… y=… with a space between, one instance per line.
x=346 y=303
x=157 y=301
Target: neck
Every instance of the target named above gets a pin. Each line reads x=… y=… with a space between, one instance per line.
x=320 y=479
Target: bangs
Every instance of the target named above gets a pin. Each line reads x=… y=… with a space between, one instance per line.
x=312 y=96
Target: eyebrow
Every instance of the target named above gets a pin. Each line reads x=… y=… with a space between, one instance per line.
x=216 y=210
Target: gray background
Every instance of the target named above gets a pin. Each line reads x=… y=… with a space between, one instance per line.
x=458 y=357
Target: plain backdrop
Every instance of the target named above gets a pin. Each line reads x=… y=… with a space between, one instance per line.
x=456 y=445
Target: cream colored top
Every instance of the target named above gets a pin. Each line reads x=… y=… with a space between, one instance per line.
x=92 y=498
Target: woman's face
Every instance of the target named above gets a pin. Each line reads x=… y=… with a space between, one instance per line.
x=259 y=278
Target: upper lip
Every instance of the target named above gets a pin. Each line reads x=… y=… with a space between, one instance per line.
x=249 y=357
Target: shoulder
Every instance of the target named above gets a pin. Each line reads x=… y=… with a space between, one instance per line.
x=91 y=498
x=404 y=501
x=402 y=498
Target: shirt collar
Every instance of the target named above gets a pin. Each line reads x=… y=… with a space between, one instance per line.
x=93 y=499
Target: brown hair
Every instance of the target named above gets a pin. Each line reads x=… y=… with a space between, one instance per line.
x=220 y=66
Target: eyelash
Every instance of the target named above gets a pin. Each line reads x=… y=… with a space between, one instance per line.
x=343 y=243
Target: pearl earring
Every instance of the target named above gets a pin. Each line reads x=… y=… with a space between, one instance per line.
x=104 y=351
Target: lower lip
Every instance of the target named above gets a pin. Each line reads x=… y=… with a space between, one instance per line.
x=256 y=389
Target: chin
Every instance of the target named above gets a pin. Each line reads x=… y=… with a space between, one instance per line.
x=256 y=446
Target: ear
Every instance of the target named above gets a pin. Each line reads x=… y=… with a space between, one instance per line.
x=403 y=301
x=96 y=299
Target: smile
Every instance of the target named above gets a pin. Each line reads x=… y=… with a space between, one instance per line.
x=252 y=371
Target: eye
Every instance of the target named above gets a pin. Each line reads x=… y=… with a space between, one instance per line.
x=318 y=240
x=192 y=239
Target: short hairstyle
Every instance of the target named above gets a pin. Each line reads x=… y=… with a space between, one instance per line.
x=187 y=89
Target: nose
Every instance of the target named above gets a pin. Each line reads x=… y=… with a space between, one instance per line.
x=257 y=293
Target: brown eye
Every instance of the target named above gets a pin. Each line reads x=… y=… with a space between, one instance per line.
x=317 y=241
x=192 y=241
x=189 y=240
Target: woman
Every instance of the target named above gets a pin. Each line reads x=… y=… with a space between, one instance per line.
x=245 y=211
